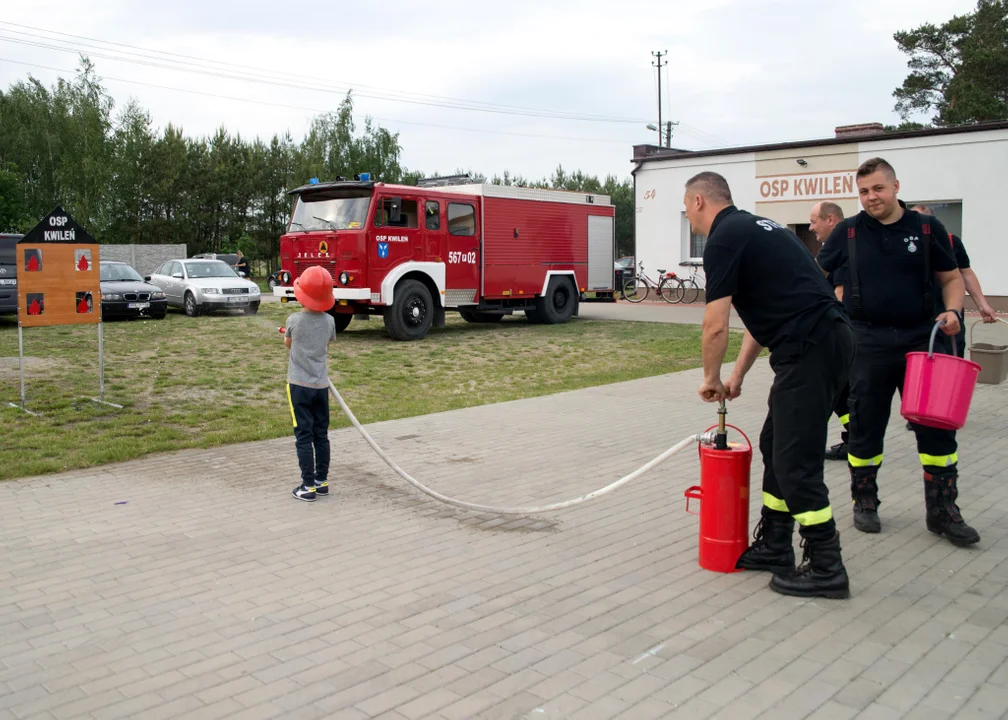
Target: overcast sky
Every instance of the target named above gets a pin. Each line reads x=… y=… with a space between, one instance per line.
x=739 y=71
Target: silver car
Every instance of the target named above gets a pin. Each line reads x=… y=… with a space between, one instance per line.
x=200 y=286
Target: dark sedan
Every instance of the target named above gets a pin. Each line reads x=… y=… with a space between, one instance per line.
x=125 y=294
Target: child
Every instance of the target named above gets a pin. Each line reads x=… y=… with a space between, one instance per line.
x=308 y=334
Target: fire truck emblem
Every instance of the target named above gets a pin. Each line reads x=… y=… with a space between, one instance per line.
x=383 y=249
x=323 y=248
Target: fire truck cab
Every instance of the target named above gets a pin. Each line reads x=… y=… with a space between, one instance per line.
x=409 y=253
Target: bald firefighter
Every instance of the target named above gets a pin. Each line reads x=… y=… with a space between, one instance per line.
x=811 y=349
x=822 y=219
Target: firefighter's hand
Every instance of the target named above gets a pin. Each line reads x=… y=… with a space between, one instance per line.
x=987 y=313
x=951 y=326
x=733 y=387
x=713 y=390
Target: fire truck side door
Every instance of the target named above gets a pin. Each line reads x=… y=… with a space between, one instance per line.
x=397 y=243
x=463 y=247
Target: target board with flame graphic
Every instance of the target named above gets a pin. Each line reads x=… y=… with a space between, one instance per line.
x=59 y=282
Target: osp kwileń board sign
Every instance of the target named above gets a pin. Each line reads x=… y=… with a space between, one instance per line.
x=59 y=282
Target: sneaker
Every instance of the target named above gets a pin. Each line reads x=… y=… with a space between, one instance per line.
x=837 y=452
x=322 y=488
x=305 y=492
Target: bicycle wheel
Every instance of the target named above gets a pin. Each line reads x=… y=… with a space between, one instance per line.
x=635 y=290
x=690 y=291
x=670 y=290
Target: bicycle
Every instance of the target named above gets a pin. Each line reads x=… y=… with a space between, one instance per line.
x=690 y=287
x=669 y=288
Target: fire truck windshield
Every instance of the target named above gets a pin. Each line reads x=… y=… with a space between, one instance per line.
x=346 y=210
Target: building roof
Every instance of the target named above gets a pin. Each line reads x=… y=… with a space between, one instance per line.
x=650 y=153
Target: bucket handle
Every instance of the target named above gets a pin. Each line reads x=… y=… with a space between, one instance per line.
x=694 y=493
x=974 y=324
x=934 y=331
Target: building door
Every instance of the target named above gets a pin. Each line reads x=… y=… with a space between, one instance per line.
x=807 y=237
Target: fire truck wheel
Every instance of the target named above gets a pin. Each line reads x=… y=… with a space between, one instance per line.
x=558 y=304
x=342 y=320
x=411 y=313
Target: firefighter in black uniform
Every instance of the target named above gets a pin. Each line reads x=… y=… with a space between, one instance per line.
x=970 y=280
x=823 y=217
x=811 y=344
x=891 y=254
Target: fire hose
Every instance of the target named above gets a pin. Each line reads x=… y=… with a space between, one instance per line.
x=708 y=437
x=713 y=437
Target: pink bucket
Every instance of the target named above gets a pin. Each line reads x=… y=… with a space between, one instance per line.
x=938 y=389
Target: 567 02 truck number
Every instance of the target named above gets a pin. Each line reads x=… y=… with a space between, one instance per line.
x=462 y=258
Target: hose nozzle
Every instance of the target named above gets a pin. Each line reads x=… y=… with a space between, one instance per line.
x=721 y=437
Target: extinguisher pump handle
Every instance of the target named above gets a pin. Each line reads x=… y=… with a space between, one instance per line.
x=721 y=439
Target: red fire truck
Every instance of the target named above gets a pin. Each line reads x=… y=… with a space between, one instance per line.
x=411 y=253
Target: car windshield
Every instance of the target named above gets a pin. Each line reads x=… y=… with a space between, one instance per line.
x=209 y=269
x=346 y=210
x=117 y=273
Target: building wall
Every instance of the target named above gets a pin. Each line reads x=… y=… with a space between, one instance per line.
x=967 y=168
x=144 y=258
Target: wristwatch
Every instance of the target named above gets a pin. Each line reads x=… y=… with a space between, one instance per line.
x=961 y=314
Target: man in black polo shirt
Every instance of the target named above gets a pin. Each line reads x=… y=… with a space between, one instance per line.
x=888 y=294
x=970 y=280
x=787 y=305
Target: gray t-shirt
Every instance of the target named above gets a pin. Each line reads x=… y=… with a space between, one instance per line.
x=310 y=333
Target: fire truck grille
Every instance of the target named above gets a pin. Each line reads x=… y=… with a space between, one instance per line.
x=454 y=298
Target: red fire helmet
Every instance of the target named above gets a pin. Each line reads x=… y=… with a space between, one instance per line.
x=314 y=289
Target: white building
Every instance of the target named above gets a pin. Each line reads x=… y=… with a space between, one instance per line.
x=961 y=173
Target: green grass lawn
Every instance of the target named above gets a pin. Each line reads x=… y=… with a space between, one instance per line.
x=212 y=380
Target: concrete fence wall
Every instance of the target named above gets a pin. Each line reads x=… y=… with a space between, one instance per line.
x=145 y=259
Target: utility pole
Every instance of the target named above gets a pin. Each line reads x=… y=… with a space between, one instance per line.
x=659 y=64
x=668 y=133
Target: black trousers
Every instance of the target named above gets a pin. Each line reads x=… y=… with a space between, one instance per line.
x=808 y=377
x=878 y=373
x=310 y=412
x=842 y=410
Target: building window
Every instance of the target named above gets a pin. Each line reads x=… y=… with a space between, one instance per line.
x=693 y=243
x=948 y=213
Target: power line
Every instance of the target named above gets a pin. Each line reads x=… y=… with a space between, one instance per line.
x=316 y=110
x=204 y=67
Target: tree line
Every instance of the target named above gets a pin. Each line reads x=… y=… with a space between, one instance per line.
x=128 y=183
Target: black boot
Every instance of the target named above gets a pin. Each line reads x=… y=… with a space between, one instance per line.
x=771 y=548
x=821 y=574
x=943 y=517
x=864 y=493
x=837 y=452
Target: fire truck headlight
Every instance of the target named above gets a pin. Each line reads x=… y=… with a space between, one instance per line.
x=344 y=278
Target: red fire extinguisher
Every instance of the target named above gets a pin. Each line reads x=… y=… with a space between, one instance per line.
x=724 y=495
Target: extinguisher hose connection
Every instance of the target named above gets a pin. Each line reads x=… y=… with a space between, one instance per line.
x=721 y=440
x=677 y=448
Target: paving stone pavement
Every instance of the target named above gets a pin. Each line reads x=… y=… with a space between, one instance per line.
x=212 y=593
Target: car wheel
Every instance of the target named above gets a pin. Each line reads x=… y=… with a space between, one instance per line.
x=272 y=282
x=191 y=308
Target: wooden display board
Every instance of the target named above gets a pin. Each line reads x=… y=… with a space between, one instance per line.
x=59 y=282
